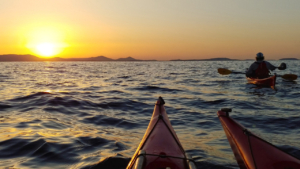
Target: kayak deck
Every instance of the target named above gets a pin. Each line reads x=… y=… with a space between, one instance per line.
x=270 y=81
x=252 y=152
x=160 y=148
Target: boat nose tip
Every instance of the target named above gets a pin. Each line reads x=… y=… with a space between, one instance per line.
x=160 y=101
x=224 y=112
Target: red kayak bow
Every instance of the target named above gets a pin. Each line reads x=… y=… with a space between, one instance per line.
x=252 y=152
x=270 y=81
x=160 y=148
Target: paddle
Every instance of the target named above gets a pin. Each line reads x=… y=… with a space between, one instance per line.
x=223 y=71
x=290 y=77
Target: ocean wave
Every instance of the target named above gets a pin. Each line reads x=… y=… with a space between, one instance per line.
x=95 y=114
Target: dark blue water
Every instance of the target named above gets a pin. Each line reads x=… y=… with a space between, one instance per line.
x=94 y=114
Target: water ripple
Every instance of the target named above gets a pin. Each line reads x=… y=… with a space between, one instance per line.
x=94 y=114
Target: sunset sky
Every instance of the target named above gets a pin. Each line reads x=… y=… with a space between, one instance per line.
x=156 y=29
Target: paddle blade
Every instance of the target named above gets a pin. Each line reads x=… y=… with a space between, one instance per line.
x=223 y=71
x=290 y=77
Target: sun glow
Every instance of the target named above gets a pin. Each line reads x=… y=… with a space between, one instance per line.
x=46 y=49
x=46 y=42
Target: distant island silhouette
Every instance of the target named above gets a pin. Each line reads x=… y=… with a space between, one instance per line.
x=289 y=59
x=30 y=58
x=15 y=58
x=212 y=59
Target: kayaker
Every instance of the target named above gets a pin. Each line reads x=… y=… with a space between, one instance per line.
x=260 y=69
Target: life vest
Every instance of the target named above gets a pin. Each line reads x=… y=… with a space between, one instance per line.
x=262 y=71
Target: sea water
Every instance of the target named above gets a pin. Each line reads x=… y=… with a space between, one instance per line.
x=94 y=114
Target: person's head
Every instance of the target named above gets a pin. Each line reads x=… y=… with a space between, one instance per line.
x=259 y=57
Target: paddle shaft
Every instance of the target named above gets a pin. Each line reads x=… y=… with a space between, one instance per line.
x=238 y=73
x=224 y=71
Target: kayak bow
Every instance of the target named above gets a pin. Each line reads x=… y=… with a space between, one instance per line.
x=252 y=152
x=270 y=81
x=160 y=148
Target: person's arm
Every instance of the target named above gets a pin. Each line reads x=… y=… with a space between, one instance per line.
x=270 y=66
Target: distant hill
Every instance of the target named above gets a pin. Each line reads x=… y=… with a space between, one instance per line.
x=127 y=59
x=98 y=58
x=289 y=59
x=28 y=57
x=219 y=59
x=212 y=59
x=16 y=58
x=13 y=57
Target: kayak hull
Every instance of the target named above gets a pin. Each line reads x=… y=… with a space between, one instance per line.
x=252 y=152
x=160 y=146
x=270 y=81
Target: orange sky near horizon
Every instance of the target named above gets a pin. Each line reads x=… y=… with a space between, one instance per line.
x=160 y=30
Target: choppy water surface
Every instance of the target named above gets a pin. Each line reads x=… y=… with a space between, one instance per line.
x=94 y=114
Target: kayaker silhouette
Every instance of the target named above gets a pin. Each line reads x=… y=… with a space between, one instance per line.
x=260 y=69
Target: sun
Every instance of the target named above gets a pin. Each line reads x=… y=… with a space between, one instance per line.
x=46 y=49
x=46 y=41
